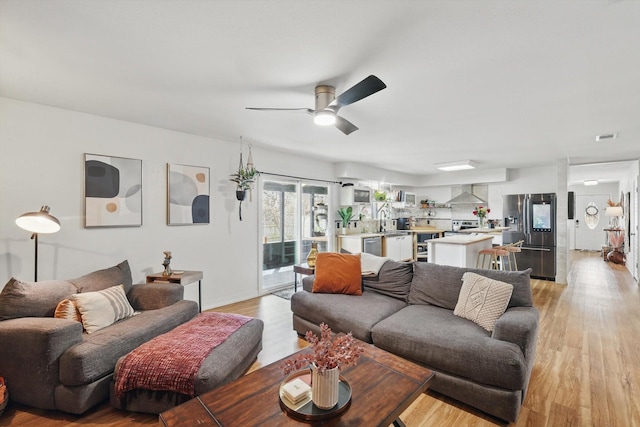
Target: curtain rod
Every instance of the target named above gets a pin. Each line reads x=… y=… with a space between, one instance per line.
x=300 y=177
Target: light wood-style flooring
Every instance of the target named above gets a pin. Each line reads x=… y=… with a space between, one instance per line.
x=586 y=373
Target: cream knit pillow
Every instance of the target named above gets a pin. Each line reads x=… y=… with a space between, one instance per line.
x=102 y=308
x=482 y=300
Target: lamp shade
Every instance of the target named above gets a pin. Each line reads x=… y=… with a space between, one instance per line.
x=38 y=222
x=614 y=211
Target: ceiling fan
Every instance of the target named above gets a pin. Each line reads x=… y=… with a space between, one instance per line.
x=328 y=105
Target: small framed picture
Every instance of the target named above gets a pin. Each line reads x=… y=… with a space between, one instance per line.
x=187 y=194
x=112 y=191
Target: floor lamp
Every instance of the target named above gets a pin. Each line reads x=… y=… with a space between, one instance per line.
x=38 y=222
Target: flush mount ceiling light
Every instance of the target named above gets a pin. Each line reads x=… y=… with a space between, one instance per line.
x=456 y=166
x=591 y=182
x=324 y=118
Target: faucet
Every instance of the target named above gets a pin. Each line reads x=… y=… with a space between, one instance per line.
x=382 y=213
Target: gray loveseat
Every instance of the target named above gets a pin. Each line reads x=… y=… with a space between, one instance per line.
x=407 y=309
x=49 y=363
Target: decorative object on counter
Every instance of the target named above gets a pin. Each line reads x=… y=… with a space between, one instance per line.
x=167 y=260
x=346 y=215
x=481 y=213
x=424 y=203
x=328 y=357
x=313 y=254
x=38 y=222
x=244 y=177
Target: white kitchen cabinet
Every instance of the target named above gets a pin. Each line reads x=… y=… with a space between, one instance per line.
x=398 y=248
x=352 y=244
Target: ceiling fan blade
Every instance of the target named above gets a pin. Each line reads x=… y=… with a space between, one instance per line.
x=361 y=90
x=308 y=110
x=345 y=125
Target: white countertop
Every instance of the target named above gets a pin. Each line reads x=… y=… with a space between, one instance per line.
x=461 y=239
x=361 y=235
x=484 y=230
x=391 y=233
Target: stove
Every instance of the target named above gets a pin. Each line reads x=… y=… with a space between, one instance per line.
x=461 y=224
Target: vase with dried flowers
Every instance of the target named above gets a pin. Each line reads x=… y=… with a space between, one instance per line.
x=329 y=355
x=481 y=213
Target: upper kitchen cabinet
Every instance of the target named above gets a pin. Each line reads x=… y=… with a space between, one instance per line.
x=352 y=195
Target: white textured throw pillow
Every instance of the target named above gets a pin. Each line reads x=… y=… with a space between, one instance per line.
x=102 y=308
x=482 y=300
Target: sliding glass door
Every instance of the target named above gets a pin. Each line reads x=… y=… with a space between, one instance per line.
x=294 y=214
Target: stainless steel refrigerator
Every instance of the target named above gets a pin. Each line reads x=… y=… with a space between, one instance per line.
x=532 y=218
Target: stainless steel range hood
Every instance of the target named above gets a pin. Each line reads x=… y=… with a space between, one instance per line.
x=464 y=197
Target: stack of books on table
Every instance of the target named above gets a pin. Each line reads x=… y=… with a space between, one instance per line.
x=296 y=391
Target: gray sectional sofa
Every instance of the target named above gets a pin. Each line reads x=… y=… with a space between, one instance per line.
x=407 y=309
x=49 y=363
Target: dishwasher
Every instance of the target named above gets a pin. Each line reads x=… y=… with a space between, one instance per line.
x=372 y=245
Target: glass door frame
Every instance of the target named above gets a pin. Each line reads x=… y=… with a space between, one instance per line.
x=300 y=237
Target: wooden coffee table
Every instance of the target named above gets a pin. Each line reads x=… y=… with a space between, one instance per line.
x=383 y=386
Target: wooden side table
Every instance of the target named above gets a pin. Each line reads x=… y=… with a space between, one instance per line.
x=183 y=278
x=301 y=269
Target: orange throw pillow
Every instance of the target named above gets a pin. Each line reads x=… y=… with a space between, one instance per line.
x=338 y=274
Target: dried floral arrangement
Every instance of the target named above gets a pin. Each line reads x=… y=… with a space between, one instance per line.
x=616 y=239
x=328 y=352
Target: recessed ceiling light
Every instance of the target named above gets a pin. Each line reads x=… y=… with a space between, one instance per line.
x=591 y=182
x=456 y=166
x=606 y=136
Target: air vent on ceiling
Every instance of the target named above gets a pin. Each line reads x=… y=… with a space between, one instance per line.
x=607 y=136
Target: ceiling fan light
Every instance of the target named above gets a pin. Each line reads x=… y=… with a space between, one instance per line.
x=324 y=118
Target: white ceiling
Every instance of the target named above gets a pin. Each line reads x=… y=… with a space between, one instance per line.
x=507 y=84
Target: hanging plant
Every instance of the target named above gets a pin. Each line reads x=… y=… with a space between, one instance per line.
x=244 y=177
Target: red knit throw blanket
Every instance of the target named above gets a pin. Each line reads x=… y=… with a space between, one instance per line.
x=171 y=361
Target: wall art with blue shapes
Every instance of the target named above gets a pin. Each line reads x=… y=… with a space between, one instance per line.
x=188 y=195
x=112 y=191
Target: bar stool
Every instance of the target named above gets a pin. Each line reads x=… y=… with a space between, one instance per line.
x=514 y=248
x=496 y=256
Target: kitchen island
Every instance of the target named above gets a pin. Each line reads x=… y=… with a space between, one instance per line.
x=496 y=232
x=458 y=250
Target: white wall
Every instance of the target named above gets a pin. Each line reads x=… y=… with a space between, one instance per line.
x=42 y=162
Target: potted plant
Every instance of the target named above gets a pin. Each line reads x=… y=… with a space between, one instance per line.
x=380 y=195
x=329 y=355
x=244 y=177
x=424 y=203
x=346 y=214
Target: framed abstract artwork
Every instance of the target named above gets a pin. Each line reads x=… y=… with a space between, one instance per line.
x=187 y=195
x=112 y=191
